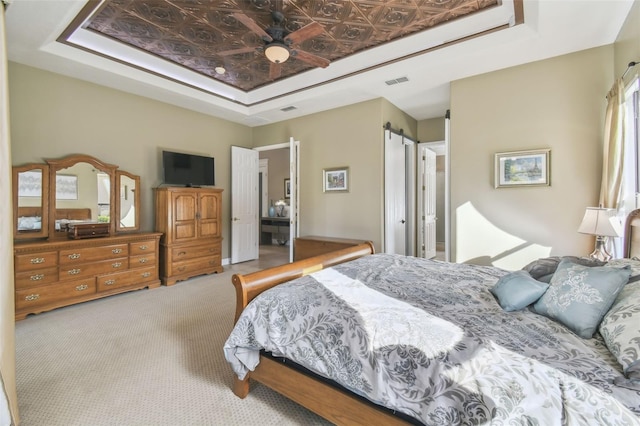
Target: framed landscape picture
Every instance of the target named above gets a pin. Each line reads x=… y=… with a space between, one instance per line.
x=522 y=168
x=335 y=180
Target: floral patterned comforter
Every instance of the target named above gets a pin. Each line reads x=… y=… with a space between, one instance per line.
x=428 y=339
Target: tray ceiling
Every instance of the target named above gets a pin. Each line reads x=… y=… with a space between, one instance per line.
x=195 y=34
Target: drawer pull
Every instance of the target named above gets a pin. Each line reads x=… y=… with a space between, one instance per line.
x=116 y=251
x=182 y=268
x=146 y=275
x=37 y=260
x=74 y=256
x=143 y=260
x=109 y=282
x=73 y=271
x=212 y=249
x=143 y=247
x=82 y=287
x=116 y=264
x=32 y=297
x=36 y=277
x=182 y=253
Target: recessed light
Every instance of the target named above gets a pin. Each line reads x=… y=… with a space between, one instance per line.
x=220 y=70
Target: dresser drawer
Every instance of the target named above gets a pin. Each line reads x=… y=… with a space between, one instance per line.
x=92 y=254
x=143 y=260
x=28 y=262
x=200 y=266
x=142 y=247
x=36 y=278
x=44 y=295
x=127 y=278
x=69 y=272
x=187 y=252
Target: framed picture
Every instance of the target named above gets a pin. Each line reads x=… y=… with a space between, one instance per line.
x=522 y=168
x=66 y=187
x=287 y=188
x=30 y=184
x=335 y=180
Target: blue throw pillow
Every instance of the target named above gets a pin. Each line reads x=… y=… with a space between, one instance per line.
x=580 y=296
x=517 y=290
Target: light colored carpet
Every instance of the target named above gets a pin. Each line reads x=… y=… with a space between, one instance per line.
x=149 y=357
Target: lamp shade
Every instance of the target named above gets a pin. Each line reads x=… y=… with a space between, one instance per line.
x=600 y=221
x=276 y=52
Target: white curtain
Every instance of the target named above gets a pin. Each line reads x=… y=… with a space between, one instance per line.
x=613 y=154
x=613 y=157
x=8 y=397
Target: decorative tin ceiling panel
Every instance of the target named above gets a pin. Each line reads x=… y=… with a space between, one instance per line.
x=194 y=33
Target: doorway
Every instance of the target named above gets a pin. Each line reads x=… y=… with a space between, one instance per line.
x=276 y=192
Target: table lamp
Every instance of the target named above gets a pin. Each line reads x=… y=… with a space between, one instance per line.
x=602 y=223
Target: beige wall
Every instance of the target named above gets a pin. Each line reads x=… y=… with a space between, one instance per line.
x=558 y=104
x=278 y=172
x=350 y=136
x=431 y=130
x=627 y=46
x=54 y=116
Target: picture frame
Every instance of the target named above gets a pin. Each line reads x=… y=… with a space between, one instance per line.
x=335 y=179
x=287 y=188
x=66 y=187
x=522 y=168
x=30 y=184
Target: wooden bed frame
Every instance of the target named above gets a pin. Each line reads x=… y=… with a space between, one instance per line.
x=334 y=404
x=632 y=235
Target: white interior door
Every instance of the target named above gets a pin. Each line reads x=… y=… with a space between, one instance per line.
x=294 y=163
x=244 y=204
x=394 y=194
x=427 y=202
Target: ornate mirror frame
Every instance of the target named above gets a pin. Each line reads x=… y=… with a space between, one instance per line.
x=25 y=190
x=49 y=211
x=123 y=200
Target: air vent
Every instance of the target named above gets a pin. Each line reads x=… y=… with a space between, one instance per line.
x=396 y=81
x=287 y=109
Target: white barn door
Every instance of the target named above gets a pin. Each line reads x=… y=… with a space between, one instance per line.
x=244 y=204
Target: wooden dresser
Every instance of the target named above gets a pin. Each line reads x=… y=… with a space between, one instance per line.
x=313 y=245
x=60 y=272
x=191 y=221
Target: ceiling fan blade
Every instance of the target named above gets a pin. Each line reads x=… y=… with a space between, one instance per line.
x=251 y=24
x=236 y=51
x=274 y=71
x=312 y=59
x=308 y=31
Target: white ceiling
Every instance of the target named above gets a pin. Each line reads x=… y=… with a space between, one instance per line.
x=551 y=28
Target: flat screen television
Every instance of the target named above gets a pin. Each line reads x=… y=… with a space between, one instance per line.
x=187 y=169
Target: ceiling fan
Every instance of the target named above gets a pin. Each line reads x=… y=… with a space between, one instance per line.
x=279 y=43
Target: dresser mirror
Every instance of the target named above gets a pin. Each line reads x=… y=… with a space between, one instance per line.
x=127 y=201
x=31 y=200
x=73 y=189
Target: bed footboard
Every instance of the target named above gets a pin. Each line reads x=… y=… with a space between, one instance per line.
x=250 y=285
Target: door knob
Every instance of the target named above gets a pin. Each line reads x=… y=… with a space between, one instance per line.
x=402 y=221
x=235 y=219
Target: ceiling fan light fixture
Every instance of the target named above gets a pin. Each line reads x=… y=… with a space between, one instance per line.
x=277 y=52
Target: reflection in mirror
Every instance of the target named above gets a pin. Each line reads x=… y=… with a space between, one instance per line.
x=127 y=198
x=30 y=212
x=82 y=195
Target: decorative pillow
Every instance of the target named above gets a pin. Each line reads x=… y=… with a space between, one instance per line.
x=620 y=330
x=517 y=290
x=633 y=263
x=579 y=296
x=543 y=269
